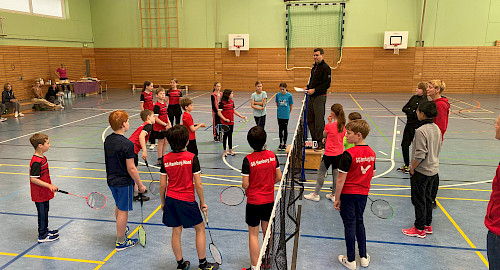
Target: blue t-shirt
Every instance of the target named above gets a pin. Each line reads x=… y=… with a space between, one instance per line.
x=283 y=103
x=259 y=98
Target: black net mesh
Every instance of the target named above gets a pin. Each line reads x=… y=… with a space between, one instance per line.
x=284 y=226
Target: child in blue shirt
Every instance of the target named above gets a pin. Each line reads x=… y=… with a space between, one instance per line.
x=284 y=104
x=258 y=104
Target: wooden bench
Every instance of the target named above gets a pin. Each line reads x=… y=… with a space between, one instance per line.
x=313 y=158
x=22 y=103
x=182 y=86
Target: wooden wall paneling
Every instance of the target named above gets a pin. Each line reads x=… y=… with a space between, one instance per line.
x=355 y=72
x=13 y=71
x=35 y=64
x=240 y=73
x=218 y=66
x=194 y=66
x=302 y=60
x=3 y=78
x=271 y=69
x=454 y=65
x=487 y=77
x=88 y=53
x=392 y=72
x=142 y=65
x=114 y=65
x=418 y=65
x=161 y=63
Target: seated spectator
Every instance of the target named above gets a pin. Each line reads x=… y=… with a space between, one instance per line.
x=9 y=100
x=37 y=98
x=53 y=94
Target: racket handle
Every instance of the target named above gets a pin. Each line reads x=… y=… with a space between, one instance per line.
x=206 y=218
x=62 y=191
x=145 y=161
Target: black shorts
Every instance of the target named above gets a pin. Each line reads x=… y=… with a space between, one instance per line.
x=158 y=135
x=257 y=212
x=181 y=213
x=332 y=161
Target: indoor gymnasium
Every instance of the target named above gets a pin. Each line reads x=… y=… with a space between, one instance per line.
x=250 y=134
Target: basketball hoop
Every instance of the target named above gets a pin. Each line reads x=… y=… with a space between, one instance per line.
x=396 y=49
x=237 y=50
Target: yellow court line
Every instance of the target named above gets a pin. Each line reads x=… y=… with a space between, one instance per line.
x=462 y=233
x=133 y=232
x=14 y=173
x=80 y=177
x=52 y=258
x=356 y=102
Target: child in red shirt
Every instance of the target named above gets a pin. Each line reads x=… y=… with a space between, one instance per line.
x=356 y=169
x=42 y=190
x=147 y=104
x=334 y=147
x=260 y=171
x=226 y=114
x=187 y=121
x=174 y=109
x=139 y=138
x=162 y=123
x=492 y=218
x=178 y=202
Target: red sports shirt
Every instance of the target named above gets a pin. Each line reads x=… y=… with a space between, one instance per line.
x=39 y=168
x=187 y=120
x=135 y=136
x=174 y=96
x=148 y=100
x=359 y=164
x=261 y=167
x=492 y=219
x=334 y=140
x=179 y=168
x=160 y=110
x=227 y=110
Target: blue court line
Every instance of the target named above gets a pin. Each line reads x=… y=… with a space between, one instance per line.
x=245 y=231
x=20 y=255
x=75 y=166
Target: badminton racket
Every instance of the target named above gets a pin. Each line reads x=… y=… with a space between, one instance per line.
x=154 y=186
x=214 y=251
x=95 y=200
x=141 y=231
x=232 y=196
x=223 y=128
x=381 y=208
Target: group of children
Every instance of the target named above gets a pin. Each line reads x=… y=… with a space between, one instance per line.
x=352 y=170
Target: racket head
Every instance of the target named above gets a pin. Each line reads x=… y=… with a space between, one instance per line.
x=223 y=128
x=96 y=200
x=382 y=209
x=214 y=251
x=232 y=196
x=154 y=187
x=142 y=236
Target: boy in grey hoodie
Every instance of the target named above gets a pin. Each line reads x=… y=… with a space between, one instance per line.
x=424 y=169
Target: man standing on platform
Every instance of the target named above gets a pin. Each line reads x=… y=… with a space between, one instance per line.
x=317 y=87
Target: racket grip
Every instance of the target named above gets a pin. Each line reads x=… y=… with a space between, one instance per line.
x=145 y=161
x=62 y=191
x=206 y=218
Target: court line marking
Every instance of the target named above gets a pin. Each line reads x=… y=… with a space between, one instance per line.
x=356 y=102
x=62 y=125
x=393 y=164
x=52 y=258
x=462 y=233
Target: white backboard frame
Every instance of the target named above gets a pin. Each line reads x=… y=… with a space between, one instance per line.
x=395 y=37
x=238 y=39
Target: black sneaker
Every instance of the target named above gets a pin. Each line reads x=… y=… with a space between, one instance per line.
x=48 y=238
x=184 y=266
x=209 y=266
x=144 y=198
x=53 y=232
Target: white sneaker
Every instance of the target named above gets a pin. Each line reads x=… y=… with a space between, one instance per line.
x=311 y=196
x=365 y=261
x=152 y=147
x=350 y=265
x=331 y=197
x=16 y=114
x=20 y=114
x=3 y=119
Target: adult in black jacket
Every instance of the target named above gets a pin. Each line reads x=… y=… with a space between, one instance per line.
x=319 y=82
x=412 y=123
x=53 y=94
x=10 y=100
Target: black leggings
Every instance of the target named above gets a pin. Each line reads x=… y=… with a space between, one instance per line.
x=408 y=135
x=260 y=121
x=228 y=137
x=283 y=130
x=174 y=111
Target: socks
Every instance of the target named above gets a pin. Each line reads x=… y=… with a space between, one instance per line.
x=203 y=262
x=180 y=262
x=121 y=239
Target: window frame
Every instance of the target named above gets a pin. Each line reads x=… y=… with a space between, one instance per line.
x=30 y=2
